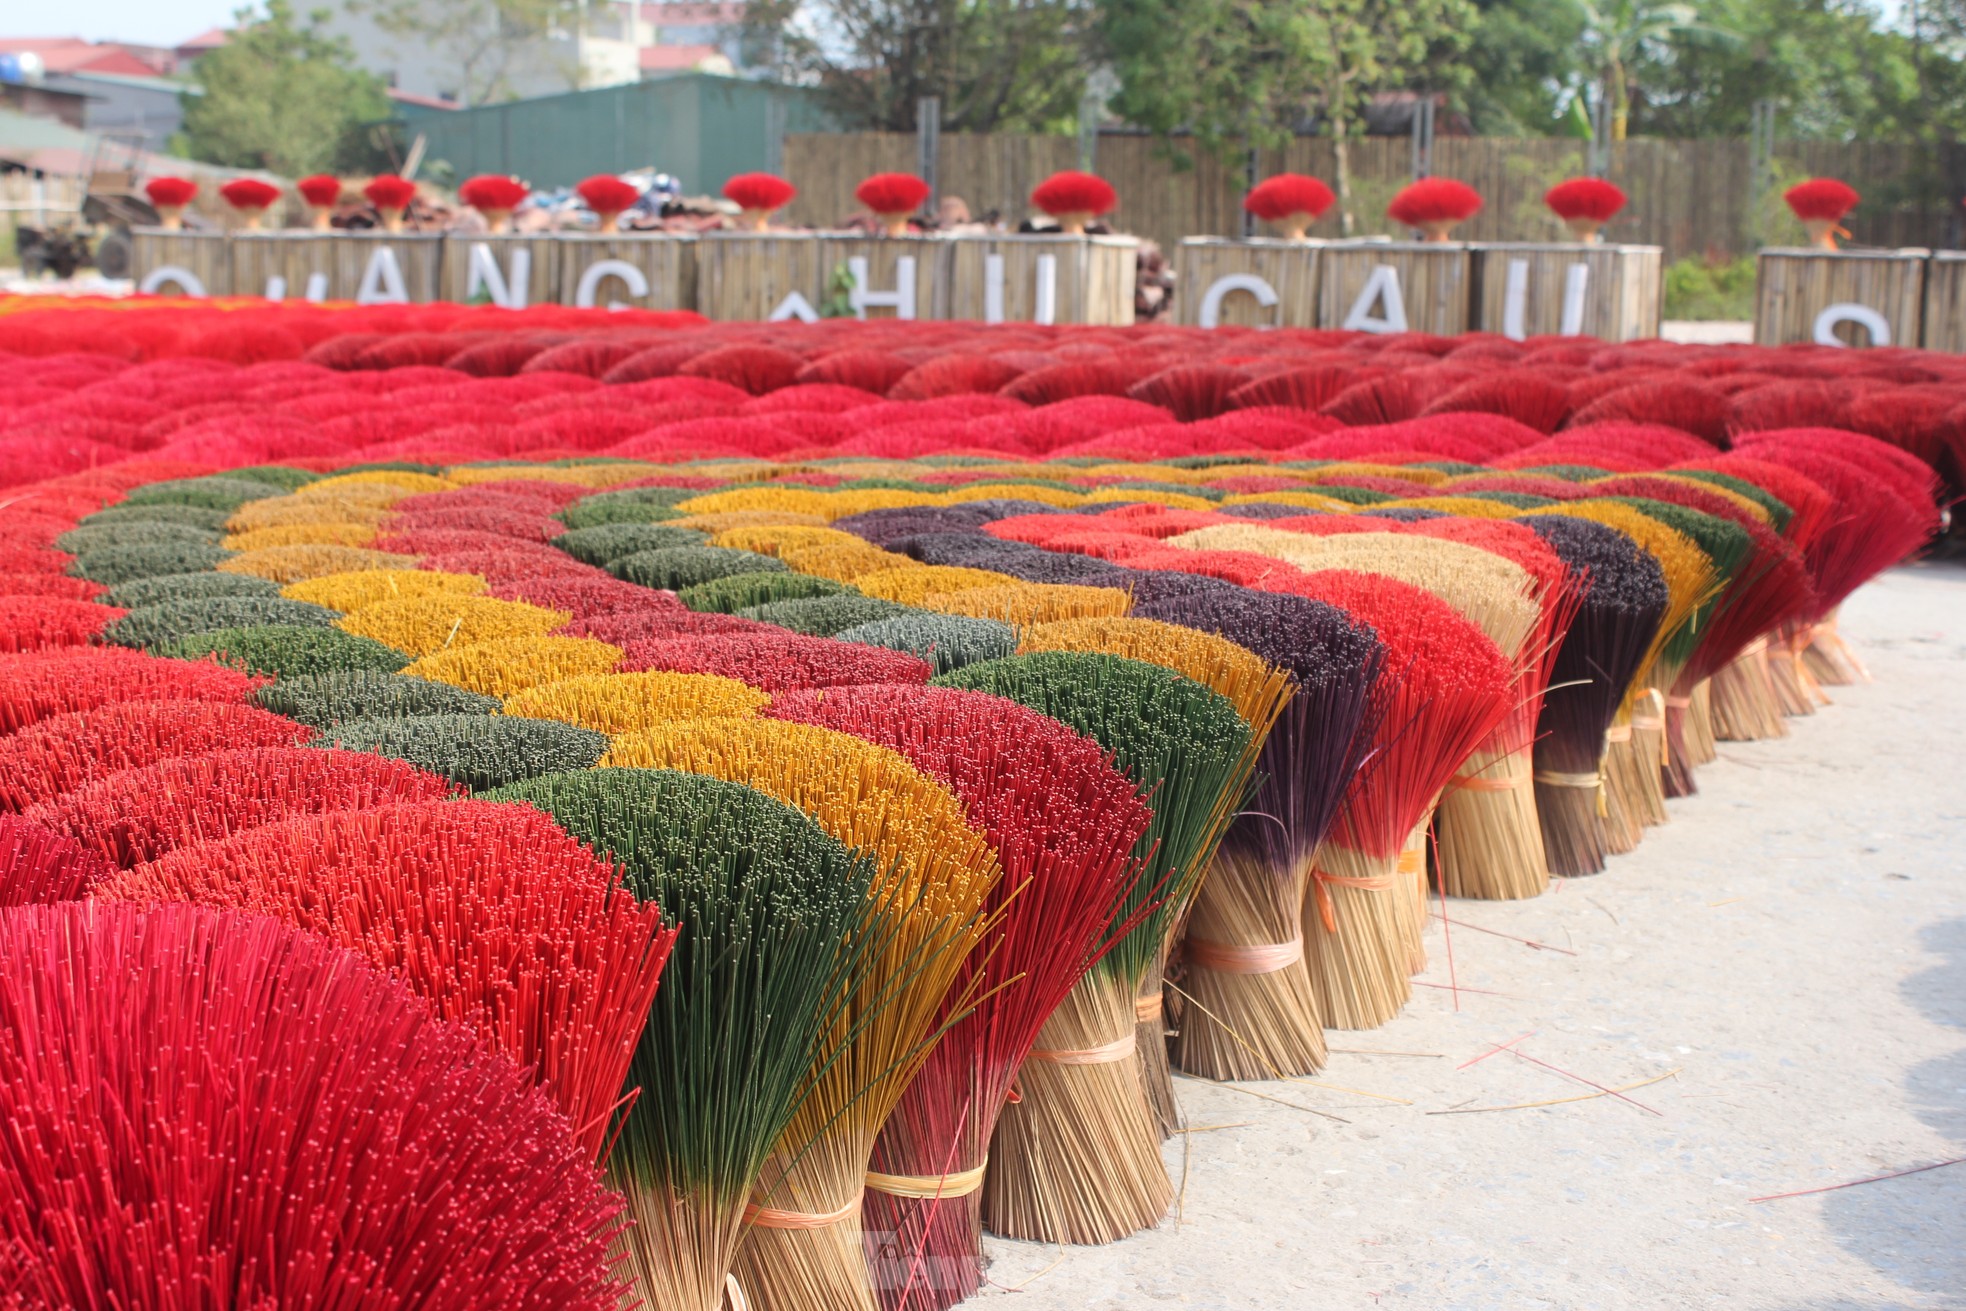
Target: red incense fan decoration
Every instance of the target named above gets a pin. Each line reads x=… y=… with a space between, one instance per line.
x=1585 y=205
x=1074 y=199
x=320 y=192
x=1292 y=201
x=169 y=196
x=609 y=197
x=756 y=196
x=1435 y=206
x=390 y=195
x=250 y=198
x=892 y=197
x=1821 y=204
x=495 y=197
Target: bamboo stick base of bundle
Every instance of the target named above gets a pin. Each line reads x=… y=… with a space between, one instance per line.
x=1623 y=827
x=1571 y=810
x=1150 y=1041
x=1676 y=766
x=1411 y=892
x=1649 y=754
x=924 y=1238
x=1699 y=724
x=1745 y=707
x=809 y=1259
x=678 y=1250
x=1355 y=938
x=1252 y=1013
x=1491 y=841
x=1796 y=689
x=1830 y=658
x=1077 y=1159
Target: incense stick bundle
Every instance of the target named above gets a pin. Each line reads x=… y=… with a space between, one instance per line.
x=1488 y=831
x=1078 y=1159
x=1445 y=688
x=1765 y=586
x=1062 y=821
x=1254 y=1014
x=253 y=1100
x=923 y=916
x=499 y=919
x=1499 y=596
x=1624 y=600
x=1259 y=692
x=1636 y=739
x=752 y=1003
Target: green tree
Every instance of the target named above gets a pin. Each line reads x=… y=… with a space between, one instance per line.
x=1620 y=33
x=1255 y=71
x=487 y=43
x=1524 y=67
x=996 y=65
x=283 y=96
x=1833 y=73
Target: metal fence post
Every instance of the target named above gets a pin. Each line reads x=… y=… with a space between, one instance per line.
x=928 y=144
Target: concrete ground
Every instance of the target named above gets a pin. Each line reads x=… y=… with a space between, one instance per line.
x=1787 y=958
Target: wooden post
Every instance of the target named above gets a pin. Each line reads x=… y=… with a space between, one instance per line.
x=1395 y=286
x=599 y=269
x=784 y=275
x=513 y=269
x=1042 y=278
x=1260 y=282
x=177 y=263
x=1537 y=289
x=1945 y=302
x=1839 y=297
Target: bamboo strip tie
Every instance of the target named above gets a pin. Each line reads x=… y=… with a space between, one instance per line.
x=928 y=1187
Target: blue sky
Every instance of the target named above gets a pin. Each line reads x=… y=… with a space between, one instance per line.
x=145 y=22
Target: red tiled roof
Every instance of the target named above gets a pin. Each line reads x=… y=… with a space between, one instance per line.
x=71 y=54
x=211 y=39
x=669 y=59
x=426 y=102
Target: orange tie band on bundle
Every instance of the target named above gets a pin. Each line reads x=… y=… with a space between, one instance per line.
x=1679 y=702
x=1320 y=880
x=928 y=1188
x=1119 y=1049
x=1618 y=733
x=1595 y=782
x=1259 y=958
x=766 y=1217
x=1655 y=723
x=1149 y=1008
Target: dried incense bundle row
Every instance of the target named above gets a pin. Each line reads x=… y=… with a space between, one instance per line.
x=65 y=751
x=1253 y=1013
x=754 y=998
x=1062 y=822
x=922 y=918
x=498 y=919
x=1633 y=795
x=1624 y=600
x=140 y=814
x=1488 y=832
x=49 y=683
x=1258 y=690
x=39 y=865
x=1445 y=687
x=1078 y=1159
x=383 y=1150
